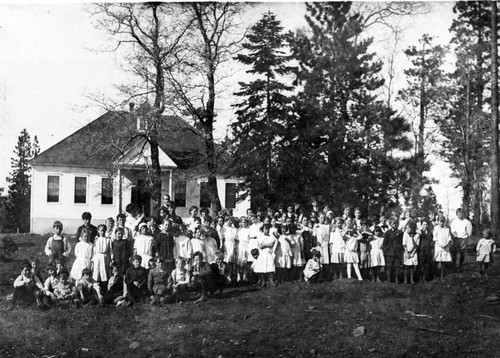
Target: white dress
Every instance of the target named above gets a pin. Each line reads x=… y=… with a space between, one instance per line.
x=323 y=236
x=442 y=242
x=377 y=255
x=102 y=249
x=337 y=247
x=229 y=234
x=198 y=245
x=265 y=261
x=210 y=249
x=351 y=252
x=243 y=238
x=297 y=249
x=182 y=247
x=410 y=257
x=253 y=234
x=282 y=251
x=83 y=253
x=143 y=245
x=484 y=249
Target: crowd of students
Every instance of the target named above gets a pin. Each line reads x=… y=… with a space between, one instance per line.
x=164 y=259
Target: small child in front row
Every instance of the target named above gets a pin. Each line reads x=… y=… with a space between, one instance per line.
x=179 y=279
x=65 y=291
x=411 y=243
x=88 y=289
x=442 y=244
x=485 y=248
x=337 y=248
x=351 y=255
x=28 y=287
x=313 y=268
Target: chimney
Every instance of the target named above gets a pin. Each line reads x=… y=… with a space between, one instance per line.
x=131 y=107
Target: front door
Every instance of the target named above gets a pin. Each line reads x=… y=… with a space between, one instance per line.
x=142 y=196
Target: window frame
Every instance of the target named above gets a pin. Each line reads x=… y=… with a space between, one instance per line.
x=103 y=191
x=75 y=190
x=58 y=176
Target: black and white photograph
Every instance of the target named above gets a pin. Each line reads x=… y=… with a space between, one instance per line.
x=249 y=179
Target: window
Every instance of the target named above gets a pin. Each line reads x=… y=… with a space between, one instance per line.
x=80 y=190
x=204 y=195
x=180 y=193
x=107 y=191
x=231 y=189
x=53 y=189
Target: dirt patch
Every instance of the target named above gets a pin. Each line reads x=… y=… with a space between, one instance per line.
x=454 y=317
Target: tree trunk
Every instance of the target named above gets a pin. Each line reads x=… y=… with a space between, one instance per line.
x=495 y=217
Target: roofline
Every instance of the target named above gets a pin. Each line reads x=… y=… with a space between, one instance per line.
x=114 y=113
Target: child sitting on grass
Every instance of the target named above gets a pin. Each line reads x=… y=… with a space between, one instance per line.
x=27 y=287
x=65 y=291
x=313 y=267
x=201 y=277
x=114 y=293
x=50 y=284
x=179 y=279
x=158 y=279
x=88 y=289
x=136 y=279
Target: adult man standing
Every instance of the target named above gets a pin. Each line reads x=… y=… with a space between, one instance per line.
x=461 y=230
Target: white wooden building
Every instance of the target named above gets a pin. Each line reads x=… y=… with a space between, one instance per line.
x=103 y=167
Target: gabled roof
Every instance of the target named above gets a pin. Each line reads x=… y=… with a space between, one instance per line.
x=103 y=141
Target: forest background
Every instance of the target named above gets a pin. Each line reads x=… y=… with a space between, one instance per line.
x=412 y=106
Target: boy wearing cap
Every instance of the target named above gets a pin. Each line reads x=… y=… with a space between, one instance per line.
x=58 y=246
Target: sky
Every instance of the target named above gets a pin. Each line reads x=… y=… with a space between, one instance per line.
x=50 y=65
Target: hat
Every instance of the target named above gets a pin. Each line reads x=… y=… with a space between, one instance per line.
x=141 y=225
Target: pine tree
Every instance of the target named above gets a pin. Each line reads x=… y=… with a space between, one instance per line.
x=343 y=130
x=466 y=128
x=263 y=114
x=424 y=93
x=18 y=199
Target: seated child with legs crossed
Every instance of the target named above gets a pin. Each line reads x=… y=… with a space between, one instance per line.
x=65 y=292
x=28 y=287
x=88 y=289
x=313 y=268
x=179 y=279
x=201 y=276
x=158 y=280
x=114 y=293
x=136 y=278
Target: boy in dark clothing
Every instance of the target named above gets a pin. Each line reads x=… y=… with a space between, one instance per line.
x=136 y=278
x=163 y=245
x=121 y=250
x=87 y=217
x=393 y=250
x=158 y=282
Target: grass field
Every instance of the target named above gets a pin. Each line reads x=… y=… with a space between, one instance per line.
x=454 y=317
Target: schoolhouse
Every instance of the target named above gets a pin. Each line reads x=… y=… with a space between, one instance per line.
x=105 y=165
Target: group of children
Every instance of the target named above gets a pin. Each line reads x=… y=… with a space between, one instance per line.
x=164 y=258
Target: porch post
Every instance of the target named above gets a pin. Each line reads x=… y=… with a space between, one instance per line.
x=119 y=191
x=170 y=184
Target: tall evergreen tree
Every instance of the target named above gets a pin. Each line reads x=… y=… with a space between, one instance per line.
x=424 y=94
x=466 y=127
x=18 y=199
x=263 y=114
x=345 y=133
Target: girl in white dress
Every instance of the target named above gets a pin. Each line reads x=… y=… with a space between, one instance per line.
x=143 y=245
x=229 y=233
x=411 y=242
x=442 y=244
x=351 y=253
x=282 y=252
x=255 y=230
x=264 y=265
x=338 y=248
x=83 y=253
x=100 y=258
x=297 y=246
x=377 y=254
x=323 y=239
x=242 y=238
